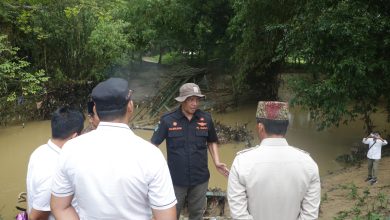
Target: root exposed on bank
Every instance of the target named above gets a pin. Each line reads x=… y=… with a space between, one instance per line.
x=237 y=133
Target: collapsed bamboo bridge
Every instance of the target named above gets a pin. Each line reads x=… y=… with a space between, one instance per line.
x=163 y=100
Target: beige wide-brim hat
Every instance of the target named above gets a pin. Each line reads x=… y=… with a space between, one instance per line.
x=188 y=90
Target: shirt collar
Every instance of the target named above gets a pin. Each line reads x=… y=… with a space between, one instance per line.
x=103 y=125
x=181 y=115
x=53 y=146
x=274 y=142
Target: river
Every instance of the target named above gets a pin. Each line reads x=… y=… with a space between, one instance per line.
x=18 y=142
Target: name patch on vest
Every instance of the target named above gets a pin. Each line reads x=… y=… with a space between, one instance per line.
x=175 y=128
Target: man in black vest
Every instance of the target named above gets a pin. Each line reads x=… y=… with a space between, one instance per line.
x=189 y=132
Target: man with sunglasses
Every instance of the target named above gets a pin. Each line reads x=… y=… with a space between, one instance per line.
x=112 y=173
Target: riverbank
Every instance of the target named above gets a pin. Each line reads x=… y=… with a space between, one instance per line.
x=345 y=195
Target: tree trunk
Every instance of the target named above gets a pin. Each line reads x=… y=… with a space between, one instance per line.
x=45 y=57
x=140 y=57
x=160 y=55
x=368 y=125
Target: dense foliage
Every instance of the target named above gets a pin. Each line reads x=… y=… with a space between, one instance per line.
x=18 y=86
x=342 y=44
x=345 y=45
x=257 y=28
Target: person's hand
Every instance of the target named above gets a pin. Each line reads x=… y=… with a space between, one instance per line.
x=222 y=168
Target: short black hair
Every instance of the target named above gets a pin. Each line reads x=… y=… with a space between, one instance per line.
x=278 y=127
x=376 y=133
x=90 y=106
x=65 y=121
x=112 y=114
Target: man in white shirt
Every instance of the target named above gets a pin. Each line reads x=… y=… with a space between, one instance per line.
x=375 y=143
x=65 y=125
x=113 y=173
x=273 y=180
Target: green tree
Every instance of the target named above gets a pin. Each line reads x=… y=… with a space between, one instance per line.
x=204 y=32
x=139 y=15
x=108 y=44
x=17 y=82
x=74 y=41
x=192 y=28
x=256 y=30
x=345 y=46
x=168 y=21
x=61 y=37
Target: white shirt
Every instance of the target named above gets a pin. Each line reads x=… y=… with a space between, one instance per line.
x=274 y=181
x=375 y=147
x=41 y=168
x=114 y=174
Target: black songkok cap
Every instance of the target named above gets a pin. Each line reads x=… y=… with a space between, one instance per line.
x=112 y=94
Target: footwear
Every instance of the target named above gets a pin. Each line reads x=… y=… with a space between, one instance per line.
x=373 y=181
x=368 y=179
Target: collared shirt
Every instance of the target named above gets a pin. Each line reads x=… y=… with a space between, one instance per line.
x=41 y=168
x=274 y=181
x=186 y=145
x=114 y=174
x=375 y=147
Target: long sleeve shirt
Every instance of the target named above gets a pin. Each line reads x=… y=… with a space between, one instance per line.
x=274 y=181
x=375 y=147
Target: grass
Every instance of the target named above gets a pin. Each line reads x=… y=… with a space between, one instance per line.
x=168 y=58
x=295 y=60
x=366 y=207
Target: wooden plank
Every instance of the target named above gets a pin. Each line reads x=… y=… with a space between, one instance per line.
x=216 y=194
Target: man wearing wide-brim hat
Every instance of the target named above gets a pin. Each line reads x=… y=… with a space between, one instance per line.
x=189 y=132
x=273 y=180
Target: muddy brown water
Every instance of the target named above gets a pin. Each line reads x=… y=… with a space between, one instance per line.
x=17 y=143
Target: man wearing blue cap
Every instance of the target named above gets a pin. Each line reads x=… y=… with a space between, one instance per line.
x=273 y=180
x=112 y=173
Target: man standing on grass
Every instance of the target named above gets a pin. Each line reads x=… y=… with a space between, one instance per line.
x=375 y=143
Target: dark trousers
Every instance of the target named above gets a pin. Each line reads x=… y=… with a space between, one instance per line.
x=373 y=168
x=196 y=197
